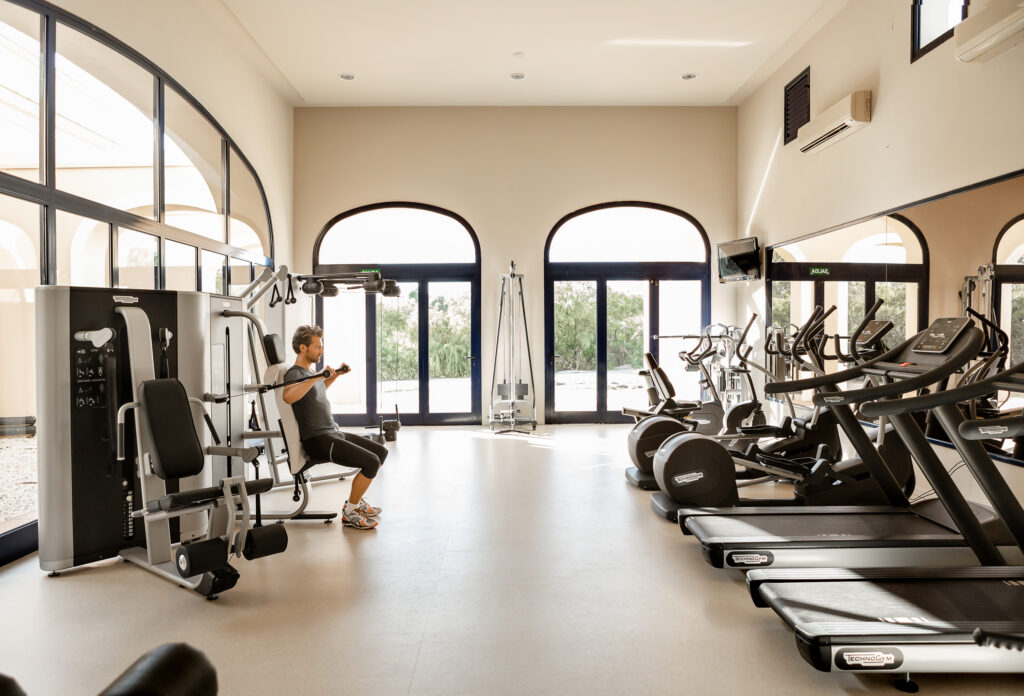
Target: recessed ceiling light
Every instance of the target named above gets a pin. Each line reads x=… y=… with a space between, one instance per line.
x=688 y=75
x=347 y=76
x=518 y=54
x=517 y=75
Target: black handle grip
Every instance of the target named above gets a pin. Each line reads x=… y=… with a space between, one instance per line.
x=999 y=428
x=213 y=430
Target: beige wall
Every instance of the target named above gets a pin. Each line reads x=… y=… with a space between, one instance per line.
x=937 y=125
x=199 y=44
x=512 y=173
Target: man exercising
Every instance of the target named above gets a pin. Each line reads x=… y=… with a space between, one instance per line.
x=320 y=436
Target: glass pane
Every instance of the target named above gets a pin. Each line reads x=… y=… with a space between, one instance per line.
x=138 y=260
x=937 y=17
x=654 y=235
x=241 y=276
x=345 y=342
x=104 y=140
x=193 y=170
x=900 y=307
x=19 y=91
x=679 y=314
x=83 y=251
x=249 y=226
x=214 y=270
x=848 y=297
x=882 y=240
x=397 y=235
x=792 y=304
x=628 y=329
x=179 y=266
x=451 y=390
x=398 y=325
x=576 y=345
x=19 y=275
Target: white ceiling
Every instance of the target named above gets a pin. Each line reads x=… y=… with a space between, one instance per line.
x=573 y=52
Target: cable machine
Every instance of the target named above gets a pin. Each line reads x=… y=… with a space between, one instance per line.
x=512 y=400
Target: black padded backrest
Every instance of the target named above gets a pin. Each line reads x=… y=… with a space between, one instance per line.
x=176 y=451
x=274 y=348
x=173 y=669
x=658 y=377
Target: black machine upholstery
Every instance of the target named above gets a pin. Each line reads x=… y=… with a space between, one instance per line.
x=197 y=496
x=176 y=452
x=274 y=348
x=173 y=669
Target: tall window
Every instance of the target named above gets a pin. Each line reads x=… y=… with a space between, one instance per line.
x=932 y=23
x=138 y=188
x=1008 y=255
x=616 y=276
x=421 y=350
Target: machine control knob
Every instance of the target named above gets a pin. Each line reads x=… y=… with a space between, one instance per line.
x=98 y=338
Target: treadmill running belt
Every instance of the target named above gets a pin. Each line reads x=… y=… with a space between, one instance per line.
x=930 y=611
x=824 y=528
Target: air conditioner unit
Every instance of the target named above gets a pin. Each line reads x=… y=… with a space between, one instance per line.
x=997 y=26
x=850 y=114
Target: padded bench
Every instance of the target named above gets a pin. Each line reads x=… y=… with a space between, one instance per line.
x=197 y=496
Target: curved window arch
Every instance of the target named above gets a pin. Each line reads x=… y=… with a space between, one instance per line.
x=616 y=275
x=397 y=233
x=1008 y=257
x=421 y=349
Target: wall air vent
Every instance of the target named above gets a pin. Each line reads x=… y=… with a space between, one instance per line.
x=797 y=109
x=850 y=114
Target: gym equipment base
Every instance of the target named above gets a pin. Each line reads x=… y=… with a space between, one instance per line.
x=207 y=584
x=643 y=481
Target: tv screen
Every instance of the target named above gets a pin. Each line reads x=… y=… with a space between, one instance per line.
x=739 y=260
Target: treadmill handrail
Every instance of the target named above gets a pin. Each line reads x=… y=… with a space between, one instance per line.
x=954 y=361
x=950 y=396
x=1010 y=426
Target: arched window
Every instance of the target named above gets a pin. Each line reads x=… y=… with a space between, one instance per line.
x=1008 y=257
x=421 y=350
x=616 y=275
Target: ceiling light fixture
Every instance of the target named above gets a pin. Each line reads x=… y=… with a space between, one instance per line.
x=678 y=43
x=688 y=75
x=517 y=75
x=347 y=76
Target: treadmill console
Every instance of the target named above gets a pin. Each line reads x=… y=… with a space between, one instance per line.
x=875 y=330
x=938 y=337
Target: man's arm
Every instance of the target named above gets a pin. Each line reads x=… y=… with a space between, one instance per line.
x=295 y=392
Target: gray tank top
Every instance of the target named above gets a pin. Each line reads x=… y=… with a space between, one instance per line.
x=312 y=411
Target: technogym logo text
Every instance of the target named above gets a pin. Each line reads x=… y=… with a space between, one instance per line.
x=749 y=559
x=861 y=659
x=687 y=479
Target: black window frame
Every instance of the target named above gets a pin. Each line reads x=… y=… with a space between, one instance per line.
x=423 y=274
x=22 y=540
x=1004 y=273
x=917 y=51
x=654 y=272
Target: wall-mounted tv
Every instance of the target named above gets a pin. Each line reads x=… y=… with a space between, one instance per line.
x=739 y=260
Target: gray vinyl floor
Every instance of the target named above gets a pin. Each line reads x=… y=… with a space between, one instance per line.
x=502 y=565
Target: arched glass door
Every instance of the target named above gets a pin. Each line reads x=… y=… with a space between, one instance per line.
x=420 y=350
x=616 y=275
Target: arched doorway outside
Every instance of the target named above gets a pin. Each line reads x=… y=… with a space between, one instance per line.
x=615 y=276
x=420 y=350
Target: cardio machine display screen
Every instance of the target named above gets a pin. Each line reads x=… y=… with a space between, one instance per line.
x=941 y=334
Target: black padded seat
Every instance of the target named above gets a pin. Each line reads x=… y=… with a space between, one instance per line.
x=176 y=451
x=185 y=499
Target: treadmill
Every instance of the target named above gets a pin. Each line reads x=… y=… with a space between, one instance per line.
x=941 y=532
x=915 y=620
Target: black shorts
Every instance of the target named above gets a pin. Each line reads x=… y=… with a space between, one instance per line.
x=347 y=449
